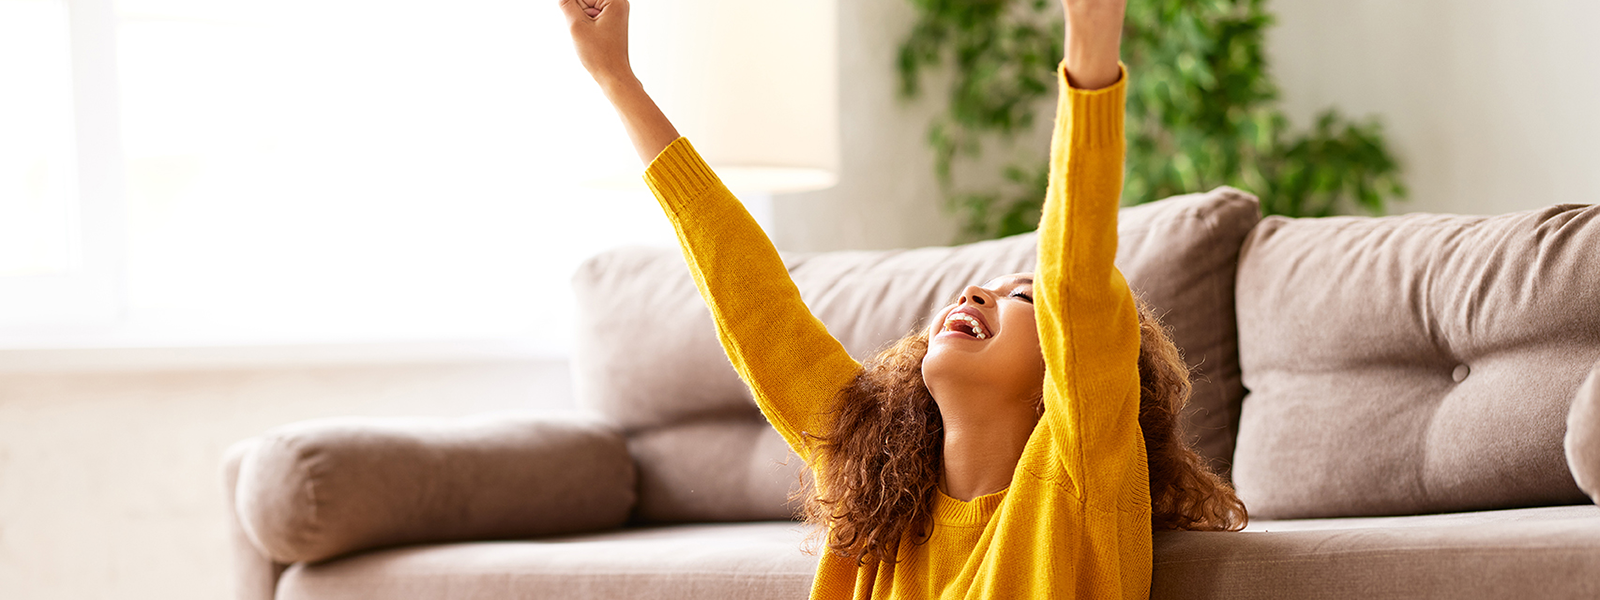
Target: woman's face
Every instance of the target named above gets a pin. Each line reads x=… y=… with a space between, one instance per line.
x=986 y=344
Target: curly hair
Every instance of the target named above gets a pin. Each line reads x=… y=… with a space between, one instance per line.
x=878 y=471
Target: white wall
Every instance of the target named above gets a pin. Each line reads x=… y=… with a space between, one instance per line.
x=1491 y=107
x=887 y=196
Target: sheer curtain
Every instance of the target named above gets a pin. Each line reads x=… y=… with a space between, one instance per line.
x=358 y=171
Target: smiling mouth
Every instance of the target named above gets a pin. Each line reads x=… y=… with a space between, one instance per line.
x=964 y=324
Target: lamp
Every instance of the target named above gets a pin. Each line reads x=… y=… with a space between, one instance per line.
x=753 y=84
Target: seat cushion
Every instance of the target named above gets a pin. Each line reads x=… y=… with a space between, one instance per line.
x=647 y=353
x=1414 y=364
x=736 y=560
x=1549 y=552
x=1531 y=553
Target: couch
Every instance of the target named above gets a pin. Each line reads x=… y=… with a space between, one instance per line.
x=1408 y=405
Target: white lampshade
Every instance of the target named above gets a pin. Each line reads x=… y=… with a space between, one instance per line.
x=753 y=84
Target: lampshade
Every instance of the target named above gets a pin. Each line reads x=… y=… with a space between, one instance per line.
x=754 y=84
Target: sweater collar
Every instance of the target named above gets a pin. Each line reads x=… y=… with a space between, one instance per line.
x=976 y=512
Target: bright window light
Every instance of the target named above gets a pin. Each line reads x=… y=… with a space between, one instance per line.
x=38 y=199
x=350 y=170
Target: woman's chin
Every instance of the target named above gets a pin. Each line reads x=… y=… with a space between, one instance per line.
x=951 y=361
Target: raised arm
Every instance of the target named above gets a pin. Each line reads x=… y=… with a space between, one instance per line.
x=600 y=33
x=791 y=363
x=1093 y=42
x=1088 y=327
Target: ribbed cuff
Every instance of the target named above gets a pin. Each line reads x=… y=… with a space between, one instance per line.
x=679 y=172
x=1095 y=116
x=951 y=511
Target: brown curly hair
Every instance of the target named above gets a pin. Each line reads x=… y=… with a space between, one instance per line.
x=879 y=470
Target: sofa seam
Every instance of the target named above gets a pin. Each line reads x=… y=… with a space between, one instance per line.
x=1392 y=552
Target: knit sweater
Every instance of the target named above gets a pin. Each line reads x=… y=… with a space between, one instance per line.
x=1075 y=520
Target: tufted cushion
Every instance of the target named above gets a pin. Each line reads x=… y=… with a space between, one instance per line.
x=1583 y=436
x=647 y=354
x=1413 y=364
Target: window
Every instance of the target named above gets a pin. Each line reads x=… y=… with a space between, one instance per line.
x=60 y=210
x=356 y=171
x=38 y=192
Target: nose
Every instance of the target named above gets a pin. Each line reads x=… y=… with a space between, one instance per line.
x=977 y=295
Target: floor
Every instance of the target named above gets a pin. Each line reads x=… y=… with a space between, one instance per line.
x=110 y=484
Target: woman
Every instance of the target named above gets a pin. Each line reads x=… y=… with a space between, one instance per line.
x=1000 y=453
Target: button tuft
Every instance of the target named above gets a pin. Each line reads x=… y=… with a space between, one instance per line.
x=1460 y=373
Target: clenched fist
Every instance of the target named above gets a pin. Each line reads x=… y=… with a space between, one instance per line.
x=600 y=32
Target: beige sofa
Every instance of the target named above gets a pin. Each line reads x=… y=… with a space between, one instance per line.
x=1402 y=402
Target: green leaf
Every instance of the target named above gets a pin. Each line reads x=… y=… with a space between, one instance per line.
x=1202 y=110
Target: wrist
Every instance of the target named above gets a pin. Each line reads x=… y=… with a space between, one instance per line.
x=1092 y=56
x=1093 y=42
x=613 y=83
x=1091 y=71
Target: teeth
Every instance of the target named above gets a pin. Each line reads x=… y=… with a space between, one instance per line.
x=977 y=329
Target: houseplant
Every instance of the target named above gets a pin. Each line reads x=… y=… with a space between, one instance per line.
x=1202 y=111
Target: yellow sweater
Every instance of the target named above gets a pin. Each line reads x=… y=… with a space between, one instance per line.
x=1075 y=521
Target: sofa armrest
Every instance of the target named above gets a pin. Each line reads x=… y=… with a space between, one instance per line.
x=255 y=576
x=319 y=489
x=1583 y=436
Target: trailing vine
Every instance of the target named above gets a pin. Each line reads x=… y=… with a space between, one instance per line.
x=1202 y=110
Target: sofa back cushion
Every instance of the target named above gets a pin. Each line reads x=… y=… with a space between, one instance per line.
x=1413 y=364
x=647 y=354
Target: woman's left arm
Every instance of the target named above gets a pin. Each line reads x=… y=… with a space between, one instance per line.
x=1088 y=326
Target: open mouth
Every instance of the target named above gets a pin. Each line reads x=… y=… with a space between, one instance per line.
x=966 y=324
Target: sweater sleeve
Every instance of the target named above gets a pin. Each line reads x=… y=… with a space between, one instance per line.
x=1088 y=326
x=792 y=365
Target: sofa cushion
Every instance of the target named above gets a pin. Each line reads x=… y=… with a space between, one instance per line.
x=744 y=560
x=1181 y=255
x=647 y=354
x=1413 y=364
x=1550 y=552
x=1531 y=553
x=729 y=469
x=1583 y=436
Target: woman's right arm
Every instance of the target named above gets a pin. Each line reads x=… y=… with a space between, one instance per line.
x=793 y=366
x=600 y=33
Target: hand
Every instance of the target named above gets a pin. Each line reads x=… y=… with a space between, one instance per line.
x=1093 y=42
x=600 y=32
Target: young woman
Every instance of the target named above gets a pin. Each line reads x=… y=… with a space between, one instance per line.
x=1003 y=451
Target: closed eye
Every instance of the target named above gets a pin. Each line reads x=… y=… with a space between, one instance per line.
x=1022 y=296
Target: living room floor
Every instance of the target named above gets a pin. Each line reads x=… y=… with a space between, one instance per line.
x=110 y=481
